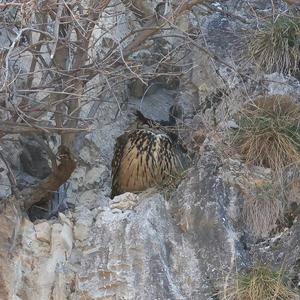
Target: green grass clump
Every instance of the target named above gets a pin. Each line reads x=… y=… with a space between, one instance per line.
x=269 y=133
x=260 y=283
x=275 y=47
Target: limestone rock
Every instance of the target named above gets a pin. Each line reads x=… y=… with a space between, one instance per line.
x=96 y=175
x=78 y=178
x=172 y=246
x=92 y=198
x=146 y=246
x=279 y=84
x=125 y=201
x=43 y=231
x=36 y=267
x=83 y=223
x=5 y=189
x=282 y=250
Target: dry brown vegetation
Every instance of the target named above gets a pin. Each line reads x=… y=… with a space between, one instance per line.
x=261 y=283
x=263 y=206
x=171 y=183
x=268 y=133
x=269 y=136
x=275 y=46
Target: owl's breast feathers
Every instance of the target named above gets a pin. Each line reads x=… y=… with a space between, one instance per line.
x=143 y=158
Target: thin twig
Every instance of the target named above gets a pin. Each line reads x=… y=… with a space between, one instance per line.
x=9 y=127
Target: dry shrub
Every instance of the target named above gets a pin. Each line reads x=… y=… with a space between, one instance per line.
x=291 y=183
x=292 y=191
x=262 y=208
x=260 y=283
x=275 y=47
x=269 y=132
x=170 y=184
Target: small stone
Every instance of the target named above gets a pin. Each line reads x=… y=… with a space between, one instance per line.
x=81 y=232
x=82 y=226
x=96 y=175
x=55 y=236
x=92 y=199
x=88 y=154
x=64 y=220
x=232 y=124
x=43 y=232
x=126 y=201
x=67 y=238
x=5 y=190
x=78 y=178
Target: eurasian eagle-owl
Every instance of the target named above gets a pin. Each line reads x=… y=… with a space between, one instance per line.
x=146 y=156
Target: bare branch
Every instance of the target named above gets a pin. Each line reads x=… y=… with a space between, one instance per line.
x=8 y=127
x=46 y=187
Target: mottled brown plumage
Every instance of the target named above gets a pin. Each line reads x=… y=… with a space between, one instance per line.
x=144 y=157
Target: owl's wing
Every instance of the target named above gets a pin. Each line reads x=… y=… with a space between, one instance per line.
x=118 y=152
x=116 y=161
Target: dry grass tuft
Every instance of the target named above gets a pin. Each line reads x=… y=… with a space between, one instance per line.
x=269 y=133
x=275 y=48
x=261 y=210
x=169 y=185
x=260 y=283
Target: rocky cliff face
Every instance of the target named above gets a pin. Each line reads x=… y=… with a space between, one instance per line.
x=183 y=243
x=138 y=247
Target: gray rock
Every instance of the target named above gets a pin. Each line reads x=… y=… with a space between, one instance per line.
x=165 y=250
x=145 y=246
x=33 y=158
x=282 y=252
x=92 y=198
x=279 y=84
x=97 y=176
x=5 y=185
